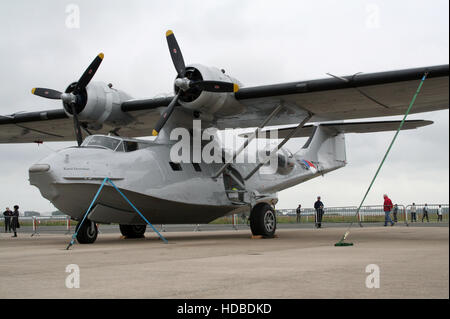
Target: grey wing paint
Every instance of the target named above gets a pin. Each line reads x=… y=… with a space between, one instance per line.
x=383 y=94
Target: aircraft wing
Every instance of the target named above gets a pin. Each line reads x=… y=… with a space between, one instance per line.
x=330 y=99
x=56 y=126
x=349 y=97
x=348 y=127
x=334 y=98
x=50 y=125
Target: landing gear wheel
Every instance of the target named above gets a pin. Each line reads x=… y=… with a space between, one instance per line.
x=263 y=220
x=133 y=231
x=87 y=233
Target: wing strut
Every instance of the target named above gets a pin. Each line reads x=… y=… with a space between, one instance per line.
x=286 y=139
x=249 y=139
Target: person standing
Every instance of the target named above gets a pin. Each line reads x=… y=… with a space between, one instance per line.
x=439 y=213
x=318 y=206
x=395 y=212
x=15 y=220
x=387 y=207
x=299 y=211
x=413 y=213
x=425 y=213
x=7 y=214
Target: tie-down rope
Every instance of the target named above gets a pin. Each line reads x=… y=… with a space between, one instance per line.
x=128 y=201
x=385 y=155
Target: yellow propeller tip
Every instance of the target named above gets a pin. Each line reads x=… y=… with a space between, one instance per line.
x=169 y=32
x=101 y=56
x=33 y=90
x=235 y=88
x=154 y=133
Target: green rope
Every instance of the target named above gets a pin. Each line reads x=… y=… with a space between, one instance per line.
x=387 y=152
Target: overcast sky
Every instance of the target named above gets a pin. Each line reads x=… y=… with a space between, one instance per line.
x=258 y=42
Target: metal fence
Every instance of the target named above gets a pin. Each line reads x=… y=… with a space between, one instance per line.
x=375 y=213
x=416 y=213
x=367 y=214
x=64 y=221
x=345 y=214
x=308 y=215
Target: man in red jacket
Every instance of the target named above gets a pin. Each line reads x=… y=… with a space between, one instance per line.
x=387 y=206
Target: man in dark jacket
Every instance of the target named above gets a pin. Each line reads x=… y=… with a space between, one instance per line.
x=395 y=212
x=7 y=214
x=318 y=206
x=425 y=213
x=15 y=220
x=299 y=211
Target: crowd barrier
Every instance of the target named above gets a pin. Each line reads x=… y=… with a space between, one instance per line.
x=432 y=210
x=344 y=214
x=36 y=221
x=367 y=214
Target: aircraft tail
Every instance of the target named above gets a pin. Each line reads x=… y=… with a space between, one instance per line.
x=326 y=143
x=325 y=149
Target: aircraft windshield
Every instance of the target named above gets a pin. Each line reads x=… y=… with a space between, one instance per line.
x=102 y=141
x=116 y=144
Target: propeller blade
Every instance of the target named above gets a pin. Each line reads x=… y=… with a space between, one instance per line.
x=47 y=93
x=215 y=86
x=89 y=73
x=175 y=53
x=165 y=116
x=76 y=126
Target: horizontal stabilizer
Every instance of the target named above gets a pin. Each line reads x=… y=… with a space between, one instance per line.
x=350 y=127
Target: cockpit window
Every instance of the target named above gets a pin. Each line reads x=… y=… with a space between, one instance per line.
x=120 y=147
x=102 y=141
x=130 y=146
x=116 y=144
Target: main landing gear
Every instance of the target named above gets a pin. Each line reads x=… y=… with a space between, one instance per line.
x=133 y=231
x=87 y=233
x=263 y=220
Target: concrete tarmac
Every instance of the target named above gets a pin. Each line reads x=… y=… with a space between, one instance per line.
x=300 y=263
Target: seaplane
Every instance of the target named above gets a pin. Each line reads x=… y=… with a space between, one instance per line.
x=206 y=181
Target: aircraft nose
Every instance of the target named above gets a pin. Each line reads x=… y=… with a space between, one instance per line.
x=39 y=168
x=41 y=177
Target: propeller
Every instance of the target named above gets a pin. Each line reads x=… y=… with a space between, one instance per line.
x=184 y=83
x=75 y=96
x=166 y=114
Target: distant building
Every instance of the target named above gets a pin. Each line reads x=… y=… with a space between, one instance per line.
x=58 y=213
x=284 y=212
x=31 y=213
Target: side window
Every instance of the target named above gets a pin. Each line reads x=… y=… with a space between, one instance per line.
x=175 y=166
x=130 y=146
x=197 y=167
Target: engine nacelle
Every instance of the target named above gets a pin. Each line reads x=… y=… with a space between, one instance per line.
x=284 y=160
x=101 y=105
x=209 y=102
